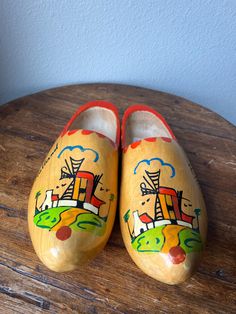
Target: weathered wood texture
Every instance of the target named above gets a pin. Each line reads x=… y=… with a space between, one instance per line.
x=112 y=283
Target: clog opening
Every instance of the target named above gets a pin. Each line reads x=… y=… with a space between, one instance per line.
x=97 y=119
x=144 y=124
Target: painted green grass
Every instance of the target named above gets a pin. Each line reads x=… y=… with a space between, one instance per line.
x=89 y=222
x=153 y=240
x=84 y=222
x=190 y=240
x=149 y=241
x=49 y=217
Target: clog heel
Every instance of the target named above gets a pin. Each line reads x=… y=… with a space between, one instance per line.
x=73 y=200
x=162 y=211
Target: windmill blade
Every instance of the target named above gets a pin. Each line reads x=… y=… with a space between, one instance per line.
x=68 y=168
x=76 y=164
x=65 y=174
x=145 y=190
x=154 y=177
x=67 y=195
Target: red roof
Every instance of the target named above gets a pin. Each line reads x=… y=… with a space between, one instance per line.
x=168 y=191
x=95 y=201
x=145 y=218
x=187 y=218
x=55 y=197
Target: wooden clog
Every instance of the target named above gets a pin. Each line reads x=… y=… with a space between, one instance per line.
x=73 y=200
x=162 y=211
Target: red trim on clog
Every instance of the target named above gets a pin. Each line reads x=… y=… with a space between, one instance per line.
x=150 y=139
x=135 y=144
x=86 y=132
x=166 y=139
x=138 y=107
x=91 y=104
x=72 y=132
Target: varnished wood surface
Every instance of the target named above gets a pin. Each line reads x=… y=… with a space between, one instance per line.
x=112 y=283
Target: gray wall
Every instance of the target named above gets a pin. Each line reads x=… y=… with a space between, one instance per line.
x=183 y=47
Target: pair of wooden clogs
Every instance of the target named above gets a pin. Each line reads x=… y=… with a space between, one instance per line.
x=72 y=204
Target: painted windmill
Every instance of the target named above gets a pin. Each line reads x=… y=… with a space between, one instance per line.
x=79 y=193
x=83 y=183
x=168 y=203
x=151 y=186
x=167 y=207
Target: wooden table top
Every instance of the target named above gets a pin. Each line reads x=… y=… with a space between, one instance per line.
x=112 y=283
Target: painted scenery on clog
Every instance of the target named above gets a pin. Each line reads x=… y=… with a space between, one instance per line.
x=164 y=223
x=78 y=208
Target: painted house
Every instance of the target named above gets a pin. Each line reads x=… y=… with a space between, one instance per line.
x=142 y=223
x=52 y=200
x=171 y=206
x=168 y=207
x=79 y=193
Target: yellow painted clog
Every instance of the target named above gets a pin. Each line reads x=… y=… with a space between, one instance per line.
x=162 y=211
x=72 y=204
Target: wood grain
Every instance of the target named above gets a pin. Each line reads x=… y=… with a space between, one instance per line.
x=112 y=283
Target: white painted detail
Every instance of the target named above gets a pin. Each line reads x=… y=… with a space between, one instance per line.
x=91 y=208
x=162 y=222
x=48 y=200
x=139 y=226
x=55 y=204
x=150 y=225
x=71 y=203
x=183 y=223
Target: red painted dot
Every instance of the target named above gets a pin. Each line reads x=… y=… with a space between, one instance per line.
x=86 y=132
x=63 y=233
x=151 y=139
x=72 y=132
x=177 y=255
x=135 y=144
x=166 y=139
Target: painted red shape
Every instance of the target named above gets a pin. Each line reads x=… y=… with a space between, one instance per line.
x=177 y=255
x=86 y=132
x=176 y=207
x=135 y=144
x=72 y=132
x=151 y=139
x=166 y=139
x=187 y=218
x=55 y=197
x=168 y=191
x=95 y=201
x=145 y=218
x=63 y=233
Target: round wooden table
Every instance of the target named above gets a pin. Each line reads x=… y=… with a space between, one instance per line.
x=112 y=283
